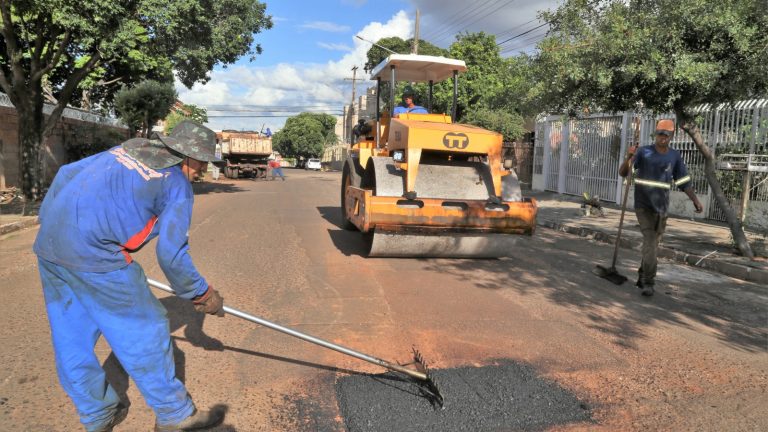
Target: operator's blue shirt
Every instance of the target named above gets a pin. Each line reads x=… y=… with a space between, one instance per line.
x=100 y=209
x=656 y=174
x=415 y=110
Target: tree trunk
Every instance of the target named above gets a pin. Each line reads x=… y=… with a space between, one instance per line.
x=687 y=123
x=31 y=125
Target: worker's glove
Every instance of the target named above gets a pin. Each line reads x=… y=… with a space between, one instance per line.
x=210 y=302
x=631 y=151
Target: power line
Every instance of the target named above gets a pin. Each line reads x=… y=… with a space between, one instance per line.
x=523 y=33
x=449 y=26
x=531 y=40
x=506 y=33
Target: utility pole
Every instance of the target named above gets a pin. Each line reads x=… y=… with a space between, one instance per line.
x=351 y=112
x=415 y=49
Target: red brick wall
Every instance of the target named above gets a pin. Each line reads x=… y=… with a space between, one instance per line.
x=55 y=154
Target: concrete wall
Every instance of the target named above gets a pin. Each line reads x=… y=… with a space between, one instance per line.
x=757 y=215
x=55 y=153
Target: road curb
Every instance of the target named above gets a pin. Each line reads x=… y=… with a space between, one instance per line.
x=735 y=270
x=19 y=225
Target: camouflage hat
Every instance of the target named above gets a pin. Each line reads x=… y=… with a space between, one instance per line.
x=193 y=140
x=152 y=152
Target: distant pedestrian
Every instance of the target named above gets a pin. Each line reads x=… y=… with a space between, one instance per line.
x=276 y=165
x=659 y=168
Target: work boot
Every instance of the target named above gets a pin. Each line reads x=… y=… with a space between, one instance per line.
x=121 y=412
x=198 y=420
x=647 y=290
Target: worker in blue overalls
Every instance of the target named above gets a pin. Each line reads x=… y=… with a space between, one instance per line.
x=659 y=168
x=97 y=211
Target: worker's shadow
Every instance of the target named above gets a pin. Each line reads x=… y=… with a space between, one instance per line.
x=180 y=314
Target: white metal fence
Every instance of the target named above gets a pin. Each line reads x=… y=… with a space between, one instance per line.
x=577 y=155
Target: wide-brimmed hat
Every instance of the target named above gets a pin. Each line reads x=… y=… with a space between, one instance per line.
x=194 y=141
x=153 y=153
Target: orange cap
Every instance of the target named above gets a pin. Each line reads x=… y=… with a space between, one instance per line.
x=665 y=125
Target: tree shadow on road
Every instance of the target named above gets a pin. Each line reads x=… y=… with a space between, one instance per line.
x=560 y=267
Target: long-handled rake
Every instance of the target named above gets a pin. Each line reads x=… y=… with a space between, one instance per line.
x=612 y=274
x=420 y=376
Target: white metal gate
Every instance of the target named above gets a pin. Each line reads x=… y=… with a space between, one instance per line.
x=583 y=155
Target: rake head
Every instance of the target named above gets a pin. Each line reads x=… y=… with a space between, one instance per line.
x=428 y=387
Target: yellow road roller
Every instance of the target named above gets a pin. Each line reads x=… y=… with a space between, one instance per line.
x=421 y=185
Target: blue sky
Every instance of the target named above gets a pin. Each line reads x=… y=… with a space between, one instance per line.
x=312 y=47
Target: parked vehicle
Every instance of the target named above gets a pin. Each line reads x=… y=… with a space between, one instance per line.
x=245 y=153
x=313 y=164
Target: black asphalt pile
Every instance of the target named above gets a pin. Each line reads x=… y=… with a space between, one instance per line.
x=504 y=396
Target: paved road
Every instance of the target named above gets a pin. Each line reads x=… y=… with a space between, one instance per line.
x=691 y=358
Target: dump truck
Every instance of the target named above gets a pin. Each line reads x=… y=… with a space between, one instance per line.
x=421 y=185
x=245 y=153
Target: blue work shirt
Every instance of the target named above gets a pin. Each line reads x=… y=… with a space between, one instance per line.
x=100 y=209
x=655 y=175
x=415 y=110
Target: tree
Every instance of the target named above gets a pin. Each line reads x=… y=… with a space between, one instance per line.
x=509 y=124
x=662 y=55
x=185 y=112
x=305 y=135
x=57 y=44
x=142 y=105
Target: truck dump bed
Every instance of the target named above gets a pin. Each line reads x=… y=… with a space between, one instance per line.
x=247 y=146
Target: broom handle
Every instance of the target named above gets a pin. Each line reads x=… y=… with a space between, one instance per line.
x=306 y=337
x=621 y=219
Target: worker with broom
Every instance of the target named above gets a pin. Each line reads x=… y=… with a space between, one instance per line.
x=659 y=168
x=97 y=211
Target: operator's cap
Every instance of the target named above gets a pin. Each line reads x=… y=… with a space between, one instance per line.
x=408 y=91
x=665 y=127
x=193 y=140
x=152 y=152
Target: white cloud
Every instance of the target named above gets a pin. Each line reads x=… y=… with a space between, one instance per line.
x=334 y=46
x=289 y=85
x=325 y=26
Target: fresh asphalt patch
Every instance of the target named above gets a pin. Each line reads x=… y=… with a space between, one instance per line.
x=505 y=396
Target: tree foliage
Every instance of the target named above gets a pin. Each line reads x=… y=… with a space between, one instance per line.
x=142 y=105
x=509 y=124
x=185 y=112
x=660 y=55
x=667 y=55
x=305 y=135
x=63 y=45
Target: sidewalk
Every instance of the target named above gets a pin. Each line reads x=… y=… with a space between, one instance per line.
x=702 y=244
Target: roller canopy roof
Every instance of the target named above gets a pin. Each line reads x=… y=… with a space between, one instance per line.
x=417 y=68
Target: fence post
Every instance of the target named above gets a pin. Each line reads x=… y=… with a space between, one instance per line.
x=563 y=167
x=626 y=130
x=547 y=148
